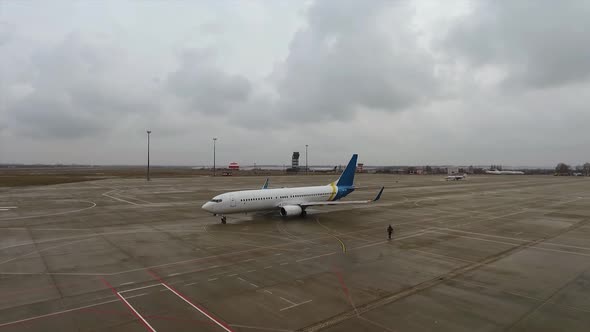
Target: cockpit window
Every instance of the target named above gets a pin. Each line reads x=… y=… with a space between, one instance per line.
x=216 y=200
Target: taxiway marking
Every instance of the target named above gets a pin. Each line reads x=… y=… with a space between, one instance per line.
x=129 y=306
x=64 y=311
x=295 y=305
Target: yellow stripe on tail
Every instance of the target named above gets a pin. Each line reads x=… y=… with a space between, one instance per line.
x=334 y=190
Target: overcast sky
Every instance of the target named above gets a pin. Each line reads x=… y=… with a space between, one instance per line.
x=398 y=82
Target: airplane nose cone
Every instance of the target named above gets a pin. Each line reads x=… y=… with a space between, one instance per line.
x=206 y=207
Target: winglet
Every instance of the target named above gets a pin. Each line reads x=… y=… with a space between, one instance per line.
x=379 y=194
x=265 y=186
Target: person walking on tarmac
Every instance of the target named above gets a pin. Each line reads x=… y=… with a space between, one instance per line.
x=390 y=231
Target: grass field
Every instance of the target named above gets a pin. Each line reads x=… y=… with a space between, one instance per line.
x=17 y=177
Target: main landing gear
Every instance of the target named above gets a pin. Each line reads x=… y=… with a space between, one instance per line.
x=223 y=220
x=303 y=213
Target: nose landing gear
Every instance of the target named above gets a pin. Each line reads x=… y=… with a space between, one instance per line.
x=223 y=220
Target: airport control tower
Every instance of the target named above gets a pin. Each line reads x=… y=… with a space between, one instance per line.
x=295 y=161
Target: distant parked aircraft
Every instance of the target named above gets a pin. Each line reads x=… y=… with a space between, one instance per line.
x=497 y=172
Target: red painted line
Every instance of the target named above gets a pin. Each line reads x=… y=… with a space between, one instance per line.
x=141 y=319
x=341 y=280
x=344 y=288
x=201 y=309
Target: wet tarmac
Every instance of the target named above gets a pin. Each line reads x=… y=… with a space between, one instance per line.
x=491 y=253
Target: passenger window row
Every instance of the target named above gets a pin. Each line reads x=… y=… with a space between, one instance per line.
x=291 y=196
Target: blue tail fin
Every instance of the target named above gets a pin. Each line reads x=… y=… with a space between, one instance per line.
x=347 y=177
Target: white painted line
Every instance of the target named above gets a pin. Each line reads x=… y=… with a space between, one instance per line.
x=53 y=214
x=267 y=291
x=241 y=279
x=247 y=260
x=8 y=207
x=127 y=283
x=58 y=313
x=441 y=255
x=118 y=199
x=295 y=305
x=163 y=290
x=41 y=250
x=314 y=257
x=535 y=247
x=201 y=311
x=135 y=311
x=278 y=254
x=254 y=285
x=134 y=289
x=268 y=267
x=212 y=279
x=173 y=274
x=513 y=238
x=419 y=233
x=250 y=271
x=135 y=198
x=4 y=209
x=232 y=275
x=192 y=283
x=285 y=263
x=284 y=299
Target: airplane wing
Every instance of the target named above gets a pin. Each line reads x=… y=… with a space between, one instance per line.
x=306 y=204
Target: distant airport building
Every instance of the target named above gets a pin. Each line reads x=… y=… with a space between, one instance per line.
x=359 y=167
x=295 y=161
x=234 y=166
x=452 y=170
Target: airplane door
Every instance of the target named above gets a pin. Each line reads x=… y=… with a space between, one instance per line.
x=232 y=201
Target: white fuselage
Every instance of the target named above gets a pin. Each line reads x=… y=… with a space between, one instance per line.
x=268 y=199
x=455 y=177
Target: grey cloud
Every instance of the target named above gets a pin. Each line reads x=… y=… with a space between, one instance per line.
x=353 y=55
x=40 y=117
x=207 y=88
x=345 y=76
x=5 y=33
x=538 y=43
x=76 y=91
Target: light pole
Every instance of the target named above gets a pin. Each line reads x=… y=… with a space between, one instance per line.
x=306 y=167
x=148 y=164
x=214 y=140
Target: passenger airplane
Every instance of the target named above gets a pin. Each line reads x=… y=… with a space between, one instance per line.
x=288 y=201
x=456 y=177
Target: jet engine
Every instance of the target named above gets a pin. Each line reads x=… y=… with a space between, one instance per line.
x=291 y=210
